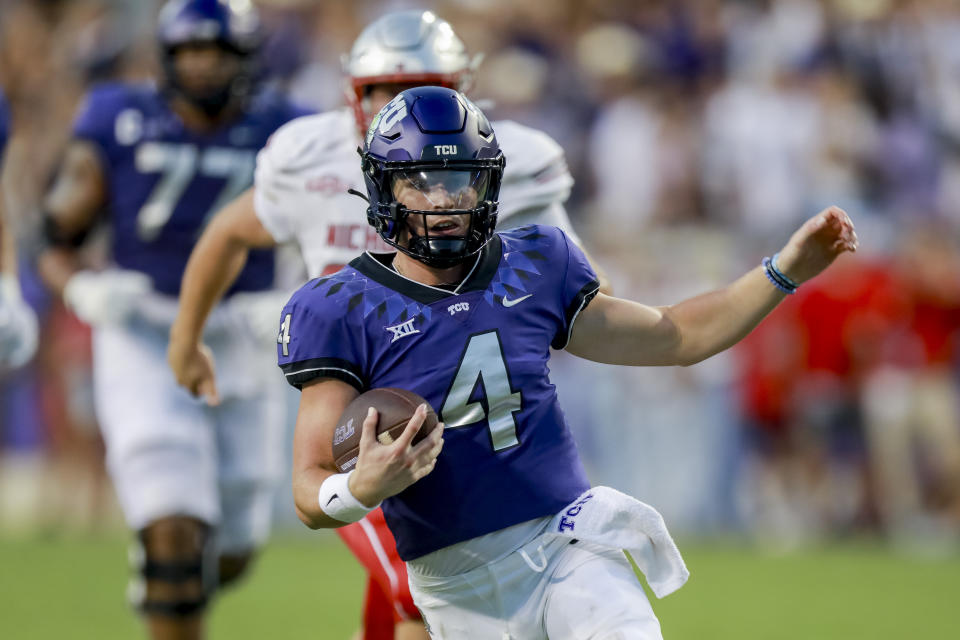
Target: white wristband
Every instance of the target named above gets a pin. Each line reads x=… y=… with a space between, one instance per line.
x=337 y=501
x=9 y=288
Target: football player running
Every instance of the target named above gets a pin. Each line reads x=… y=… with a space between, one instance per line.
x=301 y=195
x=502 y=534
x=195 y=483
x=18 y=323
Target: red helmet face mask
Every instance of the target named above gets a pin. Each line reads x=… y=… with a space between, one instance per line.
x=407 y=48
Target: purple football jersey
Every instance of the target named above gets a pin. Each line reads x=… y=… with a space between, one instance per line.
x=165 y=180
x=479 y=356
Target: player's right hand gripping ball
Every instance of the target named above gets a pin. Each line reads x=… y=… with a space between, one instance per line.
x=395 y=408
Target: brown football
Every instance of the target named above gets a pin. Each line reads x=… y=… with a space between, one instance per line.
x=395 y=408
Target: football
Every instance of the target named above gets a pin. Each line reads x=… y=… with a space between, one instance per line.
x=395 y=408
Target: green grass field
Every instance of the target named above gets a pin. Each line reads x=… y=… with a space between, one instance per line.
x=310 y=587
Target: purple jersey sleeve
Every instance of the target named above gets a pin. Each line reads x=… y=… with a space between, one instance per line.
x=4 y=124
x=580 y=286
x=317 y=340
x=96 y=117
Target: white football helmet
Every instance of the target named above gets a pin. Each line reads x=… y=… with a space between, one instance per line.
x=405 y=47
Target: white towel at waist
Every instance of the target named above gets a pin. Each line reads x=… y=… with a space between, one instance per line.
x=609 y=518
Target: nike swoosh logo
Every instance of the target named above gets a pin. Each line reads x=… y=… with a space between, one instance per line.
x=332 y=498
x=510 y=303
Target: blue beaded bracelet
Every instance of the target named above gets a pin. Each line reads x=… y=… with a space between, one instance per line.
x=780 y=274
x=774 y=279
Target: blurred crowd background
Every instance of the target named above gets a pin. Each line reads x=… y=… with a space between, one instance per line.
x=700 y=134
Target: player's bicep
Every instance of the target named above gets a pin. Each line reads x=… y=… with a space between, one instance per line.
x=617 y=331
x=79 y=191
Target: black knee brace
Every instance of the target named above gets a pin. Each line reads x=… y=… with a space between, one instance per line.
x=193 y=572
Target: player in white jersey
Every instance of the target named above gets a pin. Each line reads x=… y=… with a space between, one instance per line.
x=301 y=195
x=304 y=173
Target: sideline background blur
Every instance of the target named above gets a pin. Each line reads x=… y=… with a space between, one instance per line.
x=700 y=133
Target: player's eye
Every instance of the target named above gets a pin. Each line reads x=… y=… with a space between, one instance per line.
x=465 y=197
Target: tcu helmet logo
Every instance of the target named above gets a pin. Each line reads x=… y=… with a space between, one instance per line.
x=394 y=112
x=387 y=117
x=343 y=432
x=445 y=149
x=460 y=306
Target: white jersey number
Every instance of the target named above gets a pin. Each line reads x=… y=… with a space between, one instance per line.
x=178 y=164
x=482 y=363
x=284 y=338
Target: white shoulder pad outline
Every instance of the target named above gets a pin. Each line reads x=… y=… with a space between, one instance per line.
x=300 y=147
x=536 y=174
x=305 y=142
x=529 y=150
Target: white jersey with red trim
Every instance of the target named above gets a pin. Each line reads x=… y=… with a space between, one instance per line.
x=304 y=172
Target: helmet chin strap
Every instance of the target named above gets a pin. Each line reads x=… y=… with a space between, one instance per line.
x=429 y=249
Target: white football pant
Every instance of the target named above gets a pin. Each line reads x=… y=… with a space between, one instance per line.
x=547 y=589
x=170 y=454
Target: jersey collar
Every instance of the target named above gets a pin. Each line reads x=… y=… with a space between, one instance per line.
x=376 y=266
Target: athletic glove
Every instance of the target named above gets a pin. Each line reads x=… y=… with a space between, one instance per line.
x=105 y=297
x=18 y=325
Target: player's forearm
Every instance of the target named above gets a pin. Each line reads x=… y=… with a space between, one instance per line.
x=8 y=257
x=616 y=331
x=216 y=262
x=306 y=491
x=56 y=266
x=713 y=322
x=213 y=267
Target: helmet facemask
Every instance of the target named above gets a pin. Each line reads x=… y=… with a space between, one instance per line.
x=442 y=216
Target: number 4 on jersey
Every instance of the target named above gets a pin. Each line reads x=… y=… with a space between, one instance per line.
x=483 y=363
x=284 y=337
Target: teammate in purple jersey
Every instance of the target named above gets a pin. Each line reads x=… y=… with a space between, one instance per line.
x=195 y=483
x=164 y=179
x=18 y=323
x=502 y=534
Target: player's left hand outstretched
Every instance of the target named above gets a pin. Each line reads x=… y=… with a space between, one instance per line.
x=384 y=470
x=816 y=244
